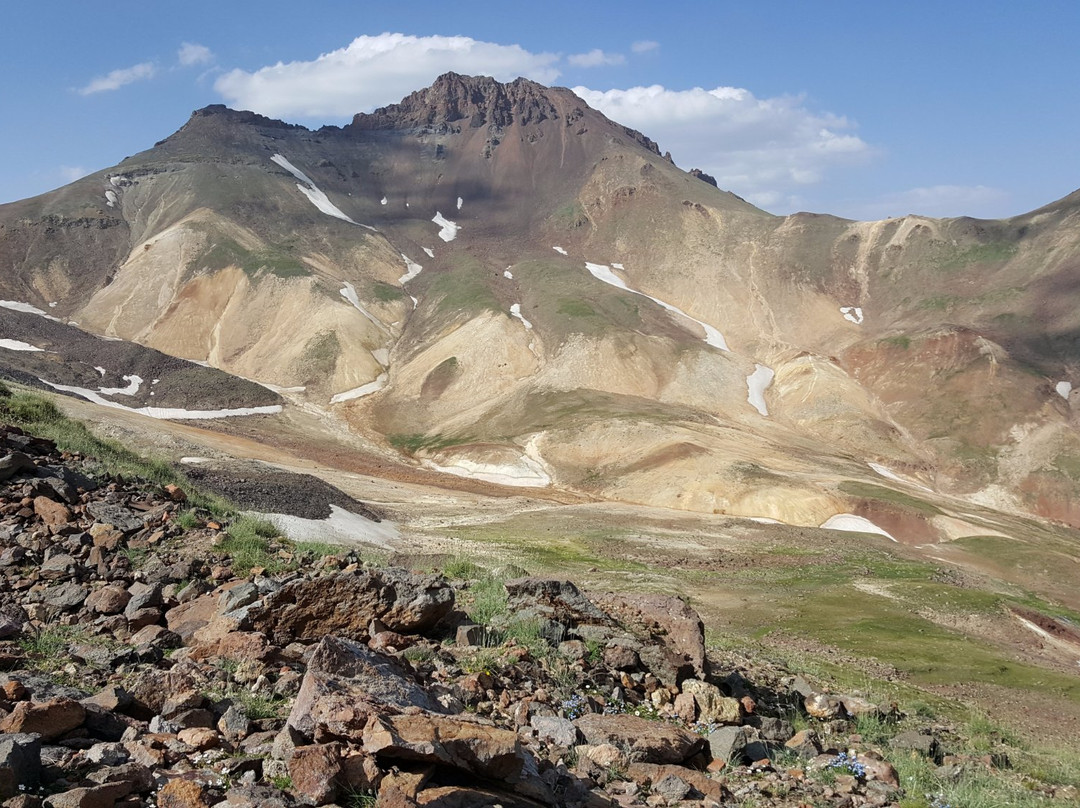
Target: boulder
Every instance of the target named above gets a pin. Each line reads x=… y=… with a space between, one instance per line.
x=345 y=683
x=346 y=603
x=554 y=599
x=673 y=631
x=49 y=719
x=712 y=706
x=108 y=600
x=648 y=741
x=51 y=511
x=20 y=763
x=103 y=796
x=315 y=771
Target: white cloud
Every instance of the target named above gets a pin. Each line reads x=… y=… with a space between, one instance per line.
x=764 y=149
x=938 y=201
x=71 y=173
x=118 y=78
x=644 y=46
x=376 y=70
x=191 y=53
x=596 y=58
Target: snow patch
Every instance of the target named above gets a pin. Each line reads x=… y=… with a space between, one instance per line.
x=515 y=311
x=449 y=229
x=382 y=356
x=340 y=527
x=508 y=274
x=1063 y=389
x=603 y=273
x=362 y=390
x=52 y=305
x=100 y=370
x=18 y=345
x=194 y=461
x=133 y=384
x=111 y=198
x=383 y=201
x=413 y=268
x=26 y=308
x=560 y=250
x=430 y=252
x=528 y=471
x=165 y=413
x=348 y=291
x=460 y=201
x=852 y=313
x=854 y=524
x=317 y=198
x=756 y=385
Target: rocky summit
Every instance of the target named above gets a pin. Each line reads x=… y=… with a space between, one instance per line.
x=142 y=669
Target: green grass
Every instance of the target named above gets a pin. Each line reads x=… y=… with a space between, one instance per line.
x=386 y=293
x=572 y=307
x=994 y=252
x=226 y=252
x=188 y=520
x=39 y=415
x=463 y=289
x=462 y=568
x=415 y=442
x=247 y=541
x=901 y=342
x=486 y=600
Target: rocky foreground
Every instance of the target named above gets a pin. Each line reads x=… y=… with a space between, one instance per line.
x=141 y=669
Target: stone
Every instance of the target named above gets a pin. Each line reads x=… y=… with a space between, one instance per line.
x=107 y=537
x=389 y=642
x=554 y=599
x=856 y=706
x=672 y=788
x=345 y=604
x=712 y=790
x=118 y=516
x=180 y=793
x=107 y=754
x=648 y=741
x=923 y=743
x=345 y=682
x=49 y=719
x=713 y=707
x=51 y=512
x=604 y=755
x=199 y=737
x=20 y=763
x=685 y=706
x=805 y=744
x=823 y=706
x=728 y=743
x=554 y=730
x=472 y=746
x=58 y=567
x=315 y=771
x=103 y=796
x=470 y=635
x=13 y=464
x=234 y=724
x=674 y=630
x=66 y=596
x=108 y=600
x=621 y=658
x=775 y=730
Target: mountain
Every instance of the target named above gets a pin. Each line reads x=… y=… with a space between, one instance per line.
x=497 y=283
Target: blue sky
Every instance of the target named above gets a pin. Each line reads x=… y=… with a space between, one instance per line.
x=860 y=109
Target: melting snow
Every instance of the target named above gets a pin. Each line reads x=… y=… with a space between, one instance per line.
x=604 y=273
x=459 y=203
x=362 y=390
x=382 y=201
x=884 y=472
x=560 y=250
x=348 y=291
x=18 y=345
x=382 y=356
x=100 y=370
x=341 y=527
x=52 y=305
x=526 y=473
x=449 y=229
x=854 y=524
x=1063 y=389
x=165 y=413
x=194 y=461
x=26 y=308
x=110 y=198
x=515 y=311
x=618 y=266
x=852 y=313
x=756 y=384
x=430 y=252
x=134 y=383
x=312 y=192
x=508 y=274
x=413 y=267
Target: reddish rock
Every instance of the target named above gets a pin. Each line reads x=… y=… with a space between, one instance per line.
x=315 y=771
x=651 y=774
x=103 y=796
x=51 y=512
x=49 y=719
x=107 y=537
x=175 y=493
x=14 y=690
x=183 y=794
x=665 y=620
x=108 y=600
x=648 y=741
x=199 y=737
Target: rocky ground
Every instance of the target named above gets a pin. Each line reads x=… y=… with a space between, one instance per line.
x=145 y=666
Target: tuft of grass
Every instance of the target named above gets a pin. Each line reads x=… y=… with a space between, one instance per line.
x=462 y=568
x=247 y=541
x=487 y=600
x=188 y=519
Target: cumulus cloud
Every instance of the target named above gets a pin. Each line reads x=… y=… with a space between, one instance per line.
x=764 y=149
x=119 y=78
x=644 y=46
x=980 y=201
x=596 y=58
x=375 y=70
x=191 y=53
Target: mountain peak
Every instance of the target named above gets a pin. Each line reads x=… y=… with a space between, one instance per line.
x=454 y=102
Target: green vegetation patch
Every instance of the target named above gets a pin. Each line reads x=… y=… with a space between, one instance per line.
x=882 y=494
x=992 y=253
x=386 y=293
x=464 y=288
x=226 y=252
x=415 y=442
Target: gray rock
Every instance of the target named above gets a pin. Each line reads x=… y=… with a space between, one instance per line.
x=671 y=788
x=107 y=754
x=554 y=730
x=728 y=743
x=65 y=596
x=925 y=744
x=554 y=599
x=120 y=517
x=20 y=762
x=12 y=464
x=775 y=730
